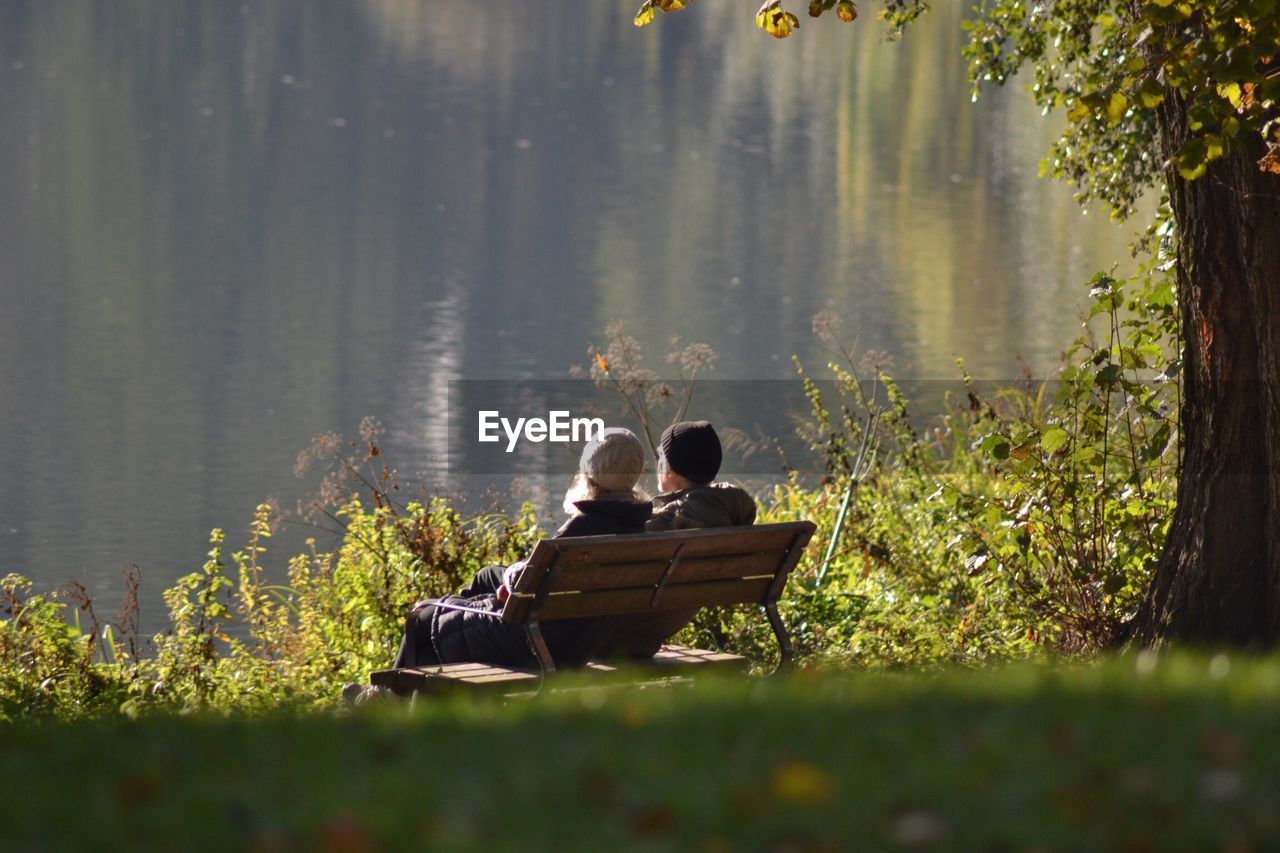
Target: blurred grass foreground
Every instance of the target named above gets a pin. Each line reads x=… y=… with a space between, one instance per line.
x=1135 y=752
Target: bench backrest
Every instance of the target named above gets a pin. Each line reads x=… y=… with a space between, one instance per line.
x=642 y=573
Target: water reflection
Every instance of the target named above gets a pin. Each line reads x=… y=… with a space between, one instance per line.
x=231 y=226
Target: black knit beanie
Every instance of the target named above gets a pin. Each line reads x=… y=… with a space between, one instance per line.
x=692 y=450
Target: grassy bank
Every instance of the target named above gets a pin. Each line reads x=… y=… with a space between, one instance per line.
x=1133 y=753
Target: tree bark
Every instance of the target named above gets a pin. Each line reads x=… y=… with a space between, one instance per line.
x=1218 y=580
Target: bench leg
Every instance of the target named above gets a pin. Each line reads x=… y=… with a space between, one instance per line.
x=785 y=649
x=539 y=646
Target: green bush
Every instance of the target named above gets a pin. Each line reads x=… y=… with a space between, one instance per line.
x=1025 y=520
x=236 y=642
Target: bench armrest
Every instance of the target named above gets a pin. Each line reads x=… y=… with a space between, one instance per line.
x=436 y=602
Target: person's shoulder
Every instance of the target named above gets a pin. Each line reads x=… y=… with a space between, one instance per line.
x=606 y=518
x=737 y=500
x=713 y=505
x=729 y=489
x=579 y=525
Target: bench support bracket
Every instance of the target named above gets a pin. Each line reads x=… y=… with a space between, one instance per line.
x=537 y=643
x=539 y=646
x=785 y=649
x=666 y=576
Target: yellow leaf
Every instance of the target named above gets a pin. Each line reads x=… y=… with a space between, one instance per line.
x=846 y=11
x=671 y=5
x=1191 y=173
x=1233 y=93
x=803 y=782
x=645 y=15
x=601 y=362
x=1116 y=107
x=775 y=20
x=1079 y=112
x=762 y=15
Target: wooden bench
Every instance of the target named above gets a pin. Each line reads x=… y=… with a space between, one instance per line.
x=629 y=575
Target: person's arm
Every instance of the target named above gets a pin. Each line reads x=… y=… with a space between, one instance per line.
x=509 y=580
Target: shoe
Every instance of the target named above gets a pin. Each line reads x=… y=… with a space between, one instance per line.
x=359 y=694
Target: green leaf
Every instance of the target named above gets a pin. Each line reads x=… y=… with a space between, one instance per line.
x=1199 y=115
x=1084 y=454
x=1213 y=147
x=1191 y=160
x=1107 y=376
x=1151 y=93
x=1054 y=439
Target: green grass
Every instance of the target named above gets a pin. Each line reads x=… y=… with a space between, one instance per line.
x=1129 y=754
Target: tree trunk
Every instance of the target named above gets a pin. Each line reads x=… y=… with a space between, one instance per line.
x=1218 y=580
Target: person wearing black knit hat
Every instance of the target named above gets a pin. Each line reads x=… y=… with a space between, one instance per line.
x=689 y=457
x=692 y=450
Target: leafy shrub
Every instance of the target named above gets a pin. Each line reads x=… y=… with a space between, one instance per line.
x=238 y=642
x=1024 y=520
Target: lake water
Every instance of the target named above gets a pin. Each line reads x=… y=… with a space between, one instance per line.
x=226 y=227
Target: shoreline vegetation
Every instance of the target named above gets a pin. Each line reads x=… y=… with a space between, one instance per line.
x=1020 y=524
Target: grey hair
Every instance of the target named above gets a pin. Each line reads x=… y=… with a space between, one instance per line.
x=583 y=488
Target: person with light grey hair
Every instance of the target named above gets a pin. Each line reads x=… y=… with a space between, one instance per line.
x=603 y=499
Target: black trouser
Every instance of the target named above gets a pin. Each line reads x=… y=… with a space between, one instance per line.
x=485 y=582
x=416 y=648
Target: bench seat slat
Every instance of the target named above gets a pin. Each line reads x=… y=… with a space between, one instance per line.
x=479 y=677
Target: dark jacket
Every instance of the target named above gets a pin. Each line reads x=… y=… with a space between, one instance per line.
x=603 y=518
x=713 y=505
x=458 y=636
